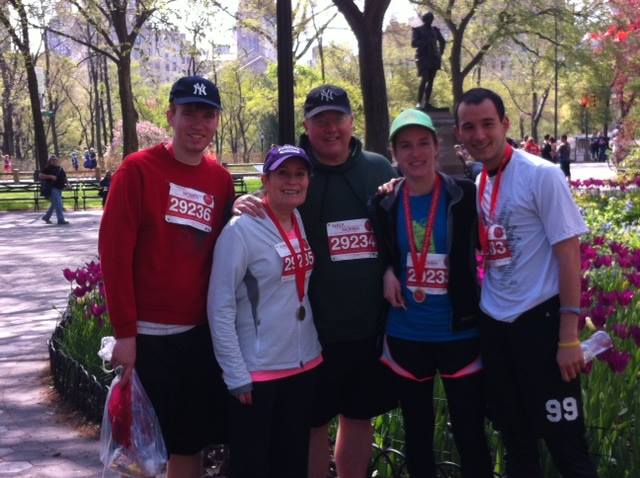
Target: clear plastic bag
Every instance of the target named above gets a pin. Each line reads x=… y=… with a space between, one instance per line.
x=131 y=441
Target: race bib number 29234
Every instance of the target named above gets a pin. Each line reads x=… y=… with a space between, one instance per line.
x=353 y=239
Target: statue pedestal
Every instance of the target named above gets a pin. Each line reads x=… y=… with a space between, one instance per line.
x=444 y=123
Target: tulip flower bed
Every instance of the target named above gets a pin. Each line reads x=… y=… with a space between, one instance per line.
x=610 y=301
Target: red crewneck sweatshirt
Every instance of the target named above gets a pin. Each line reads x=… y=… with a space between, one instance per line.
x=156 y=239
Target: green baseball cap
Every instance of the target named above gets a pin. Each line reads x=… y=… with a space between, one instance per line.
x=411 y=117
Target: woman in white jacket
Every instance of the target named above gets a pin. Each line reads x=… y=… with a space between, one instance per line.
x=262 y=327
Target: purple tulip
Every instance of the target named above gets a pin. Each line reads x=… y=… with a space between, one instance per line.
x=81 y=276
x=634 y=279
x=598 y=240
x=69 y=274
x=618 y=360
x=621 y=331
x=585 y=300
x=608 y=298
x=634 y=331
x=97 y=310
x=600 y=314
x=625 y=297
x=601 y=261
x=79 y=291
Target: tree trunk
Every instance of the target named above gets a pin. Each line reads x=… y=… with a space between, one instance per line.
x=8 y=145
x=93 y=67
x=374 y=93
x=39 y=137
x=455 y=60
x=367 y=28
x=107 y=89
x=129 y=113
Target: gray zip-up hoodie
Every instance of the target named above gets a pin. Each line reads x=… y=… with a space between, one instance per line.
x=252 y=311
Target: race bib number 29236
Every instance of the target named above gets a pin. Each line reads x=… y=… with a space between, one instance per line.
x=189 y=207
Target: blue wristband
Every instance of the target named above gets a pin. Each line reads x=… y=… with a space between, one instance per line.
x=570 y=310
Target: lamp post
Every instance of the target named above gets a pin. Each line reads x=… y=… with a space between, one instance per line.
x=286 y=129
x=555 y=64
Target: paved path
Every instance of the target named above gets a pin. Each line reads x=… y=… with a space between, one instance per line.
x=32 y=255
x=591 y=170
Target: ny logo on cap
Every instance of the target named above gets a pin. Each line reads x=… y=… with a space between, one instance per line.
x=199 y=89
x=326 y=95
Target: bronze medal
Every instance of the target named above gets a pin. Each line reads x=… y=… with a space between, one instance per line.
x=419 y=296
x=301 y=314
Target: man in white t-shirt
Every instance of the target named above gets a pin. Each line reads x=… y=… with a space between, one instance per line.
x=529 y=234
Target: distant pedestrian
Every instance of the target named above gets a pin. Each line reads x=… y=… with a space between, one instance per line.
x=532 y=147
x=7 y=163
x=74 y=161
x=594 y=147
x=105 y=182
x=564 y=155
x=548 y=151
x=603 y=145
x=86 y=159
x=54 y=180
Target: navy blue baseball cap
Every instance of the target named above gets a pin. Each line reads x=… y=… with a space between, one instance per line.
x=326 y=98
x=279 y=154
x=195 y=89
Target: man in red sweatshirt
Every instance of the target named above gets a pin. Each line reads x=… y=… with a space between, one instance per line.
x=167 y=205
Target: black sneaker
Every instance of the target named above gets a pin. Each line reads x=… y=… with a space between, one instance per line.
x=48 y=221
x=63 y=223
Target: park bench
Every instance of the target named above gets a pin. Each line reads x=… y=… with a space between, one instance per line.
x=239 y=185
x=11 y=192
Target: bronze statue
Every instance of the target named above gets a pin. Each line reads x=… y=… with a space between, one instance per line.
x=429 y=44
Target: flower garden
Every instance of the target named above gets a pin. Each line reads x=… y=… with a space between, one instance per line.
x=610 y=301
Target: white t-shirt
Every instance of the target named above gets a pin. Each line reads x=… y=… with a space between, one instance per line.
x=536 y=209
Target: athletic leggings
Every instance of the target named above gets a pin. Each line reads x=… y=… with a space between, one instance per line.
x=465 y=398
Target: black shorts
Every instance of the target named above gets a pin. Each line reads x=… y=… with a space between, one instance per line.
x=452 y=359
x=184 y=382
x=352 y=382
x=525 y=390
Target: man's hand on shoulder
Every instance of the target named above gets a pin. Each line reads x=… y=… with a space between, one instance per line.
x=387 y=188
x=249 y=204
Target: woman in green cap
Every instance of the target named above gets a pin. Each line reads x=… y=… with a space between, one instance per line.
x=430 y=226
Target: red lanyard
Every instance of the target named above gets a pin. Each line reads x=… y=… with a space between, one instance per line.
x=420 y=261
x=495 y=192
x=297 y=265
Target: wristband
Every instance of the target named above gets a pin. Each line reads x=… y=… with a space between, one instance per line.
x=569 y=345
x=570 y=310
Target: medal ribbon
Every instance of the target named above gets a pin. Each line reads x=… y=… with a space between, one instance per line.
x=297 y=267
x=420 y=261
x=495 y=192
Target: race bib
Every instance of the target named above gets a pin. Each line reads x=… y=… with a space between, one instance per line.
x=304 y=259
x=353 y=239
x=498 y=253
x=435 y=277
x=189 y=207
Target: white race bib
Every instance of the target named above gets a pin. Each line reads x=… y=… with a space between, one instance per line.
x=499 y=253
x=353 y=239
x=189 y=207
x=435 y=277
x=303 y=259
